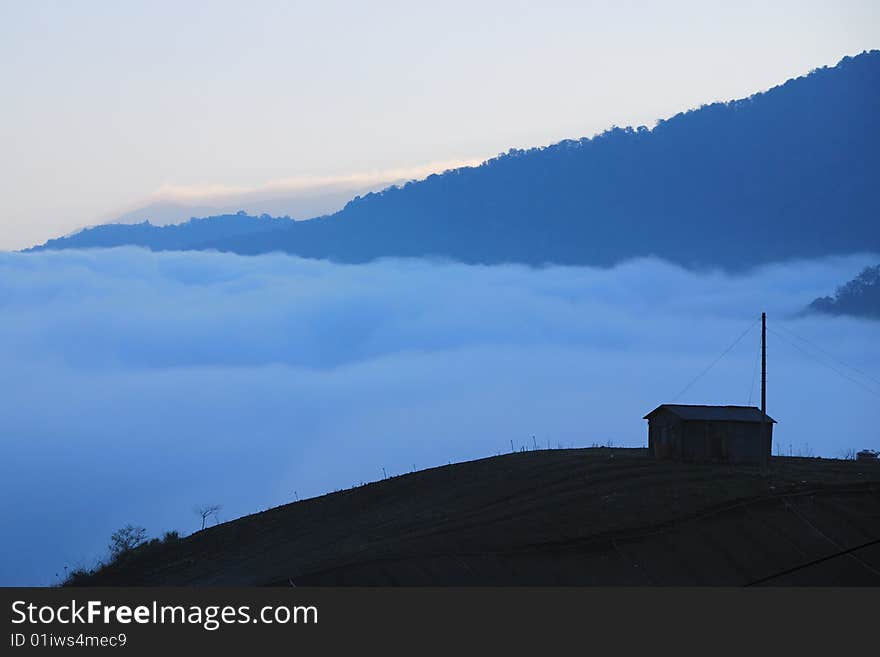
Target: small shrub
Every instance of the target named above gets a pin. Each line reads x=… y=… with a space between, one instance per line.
x=77 y=577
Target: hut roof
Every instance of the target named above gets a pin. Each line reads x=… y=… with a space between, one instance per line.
x=714 y=413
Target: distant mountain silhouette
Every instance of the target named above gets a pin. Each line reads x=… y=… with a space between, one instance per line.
x=318 y=198
x=859 y=297
x=164 y=213
x=791 y=172
x=190 y=235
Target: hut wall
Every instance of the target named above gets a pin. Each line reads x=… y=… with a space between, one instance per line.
x=665 y=436
x=731 y=442
x=669 y=437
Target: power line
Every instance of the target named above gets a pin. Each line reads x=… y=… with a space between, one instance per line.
x=821 y=362
x=814 y=562
x=715 y=362
x=828 y=354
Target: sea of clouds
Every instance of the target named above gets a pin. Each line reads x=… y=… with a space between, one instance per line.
x=137 y=385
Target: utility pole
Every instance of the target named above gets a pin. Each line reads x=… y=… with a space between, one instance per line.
x=764 y=363
x=764 y=433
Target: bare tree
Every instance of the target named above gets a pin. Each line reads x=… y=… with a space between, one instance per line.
x=126 y=539
x=205 y=511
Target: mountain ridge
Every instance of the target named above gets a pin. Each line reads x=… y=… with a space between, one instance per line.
x=785 y=173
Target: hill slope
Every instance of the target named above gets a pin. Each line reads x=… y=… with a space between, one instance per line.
x=787 y=173
x=585 y=516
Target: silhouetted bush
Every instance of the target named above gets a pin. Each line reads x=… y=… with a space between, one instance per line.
x=126 y=539
x=78 y=577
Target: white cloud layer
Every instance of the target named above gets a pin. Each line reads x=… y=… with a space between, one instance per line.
x=300 y=197
x=136 y=385
x=304 y=184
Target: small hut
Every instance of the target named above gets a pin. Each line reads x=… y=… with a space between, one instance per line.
x=731 y=434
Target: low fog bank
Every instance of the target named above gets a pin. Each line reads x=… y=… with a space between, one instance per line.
x=136 y=385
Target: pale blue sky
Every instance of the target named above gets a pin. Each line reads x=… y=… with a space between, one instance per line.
x=111 y=105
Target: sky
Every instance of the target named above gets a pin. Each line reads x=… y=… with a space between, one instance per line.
x=138 y=385
x=109 y=107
